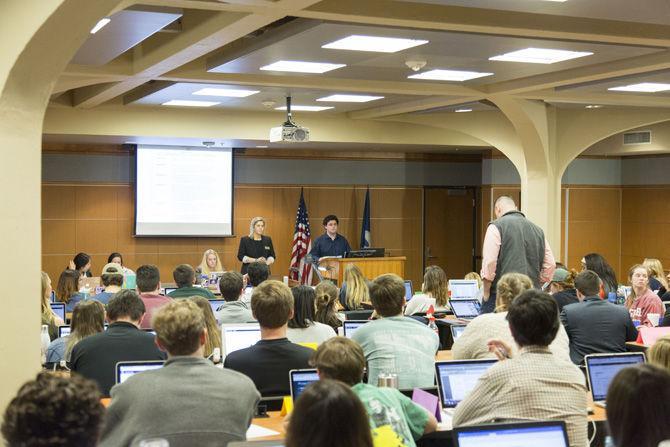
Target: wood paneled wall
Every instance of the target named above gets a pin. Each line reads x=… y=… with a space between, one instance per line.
x=98 y=219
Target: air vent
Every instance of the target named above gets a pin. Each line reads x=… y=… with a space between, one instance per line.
x=637 y=137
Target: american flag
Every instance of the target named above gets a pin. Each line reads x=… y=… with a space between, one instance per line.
x=302 y=244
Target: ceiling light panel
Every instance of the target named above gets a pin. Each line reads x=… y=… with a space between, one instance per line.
x=302 y=67
x=349 y=98
x=189 y=103
x=100 y=25
x=374 y=44
x=449 y=75
x=305 y=108
x=540 y=56
x=225 y=92
x=644 y=87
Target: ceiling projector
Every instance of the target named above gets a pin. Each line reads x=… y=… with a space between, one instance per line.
x=289 y=132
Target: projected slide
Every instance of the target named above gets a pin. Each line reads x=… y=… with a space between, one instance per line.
x=184 y=191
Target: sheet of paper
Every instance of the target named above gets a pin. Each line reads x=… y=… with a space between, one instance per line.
x=256 y=431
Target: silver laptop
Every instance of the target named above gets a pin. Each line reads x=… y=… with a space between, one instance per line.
x=456 y=379
x=299 y=379
x=239 y=336
x=216 y=304
x=351 y=326
x=465 y=310
x=601 y=369
x=124 y=370
x=463 y=289
x=457 y=330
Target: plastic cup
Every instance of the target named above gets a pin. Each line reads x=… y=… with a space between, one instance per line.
x=654 y=319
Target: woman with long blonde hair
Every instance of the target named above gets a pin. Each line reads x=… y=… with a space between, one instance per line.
x=48 y=317
x=642 y=301
x=211 y=262
x=355 y=291
x=659 y=353
x=435 y=293
x=256 y=247
x=213 y=332
x=657 y=280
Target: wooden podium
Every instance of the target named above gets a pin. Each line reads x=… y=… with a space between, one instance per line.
x=370 y=267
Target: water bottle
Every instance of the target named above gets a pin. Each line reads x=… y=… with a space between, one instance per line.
x=44 y=342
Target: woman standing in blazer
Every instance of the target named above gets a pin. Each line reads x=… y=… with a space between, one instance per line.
x=256 y=246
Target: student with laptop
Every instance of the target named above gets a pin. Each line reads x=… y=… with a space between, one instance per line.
x=148 y=280
x=48 y=316
x=88 y=318
x=434 y=293
x=112 y=279
x=394 y=343
x=642 y=301
x=188 y=401
x=269 y=361
x=234 y=310
x=638 y=405
x=184 y=277
x=96 y=356
x=302 y=328
x=257 y=272
x=472 y=344
x=67 y=290
x=56 y=411
x=342 y=359
x=594 y=325
x=534 y=384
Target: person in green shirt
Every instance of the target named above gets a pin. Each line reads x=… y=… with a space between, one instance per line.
x=184 y=276
x=393 y=416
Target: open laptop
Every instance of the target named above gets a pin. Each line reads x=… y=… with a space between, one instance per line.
x=169 y=290
x=299 y=379
x=463 y=289
x=350 y=326
x=517 y=434
x=59 y=309
x=127 y=369
x=409 y=291
x=601 y=369
x=457 y=330
x=456 y=378
x=216 y=304
x=465 y=310
x=239 y=336
x=63 y=330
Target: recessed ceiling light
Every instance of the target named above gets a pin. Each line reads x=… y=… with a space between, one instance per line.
x=228 y=92
x=593 y=106
x=305 y=108
x=349 y=98
x=540 y=56
x=449 y=75
x=646 y=87
x=374 y=43
x=462 y=110
x=188 y=103
x=302 y=67
x=100 y=25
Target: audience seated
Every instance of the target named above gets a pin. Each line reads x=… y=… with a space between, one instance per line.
x=48 y=316
x=117 y=258
x=96 y=356
x=56 y=411
x=638 y=405
x=112 y=279
x=234 y=310
x=189 y=401
x=355 y=290
x=395 y=343
x=257 y=272
x=184 y=277
x=435 y=293
x=666 y=317
x=88 y=318
x=657 y=282
x=302 y=327
x=268 y=362
x=327 y=305
x=148 y=280
x=67 y=290
x=472 y=344
x=659 y=353
x=533 y=385
x=480 y=284
x=388 y=409
x=642 y=301
x=596 y=263
x=210 y=262
x=328 y=414
x=562 y=288
x=595 y=325
x=82 y=264
x=213 y=340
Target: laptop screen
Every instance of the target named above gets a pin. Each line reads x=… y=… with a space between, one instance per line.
x=457 y=330
x=216 y=304
x=169 y=290
x=58 y=309
x=456 y=378
x=465 y=308
x=63 y=331
x=239 y=336
x=602 y=369
x=127 y=369
x=463 y=288
x=300 y=378
x=350 y=326
x=408 y=290
x=545 y=434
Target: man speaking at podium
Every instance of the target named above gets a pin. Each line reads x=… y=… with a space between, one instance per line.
x=330 y=243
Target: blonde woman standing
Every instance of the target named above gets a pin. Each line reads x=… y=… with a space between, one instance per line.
x=435 y=293
x=256 y=247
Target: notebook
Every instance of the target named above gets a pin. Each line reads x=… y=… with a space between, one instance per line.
x=350 y=326
x=239 y=336
x=456 y=378
x=299 y=379
x=601 y=369
x=126 y=369
x=519 y=434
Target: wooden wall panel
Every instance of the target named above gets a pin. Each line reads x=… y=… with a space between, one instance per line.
x=98 y=219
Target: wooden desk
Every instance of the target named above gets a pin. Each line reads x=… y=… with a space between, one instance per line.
x=370 y=267
x=443 y=355
x=634 y=346
x=273 y=422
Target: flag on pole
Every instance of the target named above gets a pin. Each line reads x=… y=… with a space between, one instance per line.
x=300 y=270
x=366 y=240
